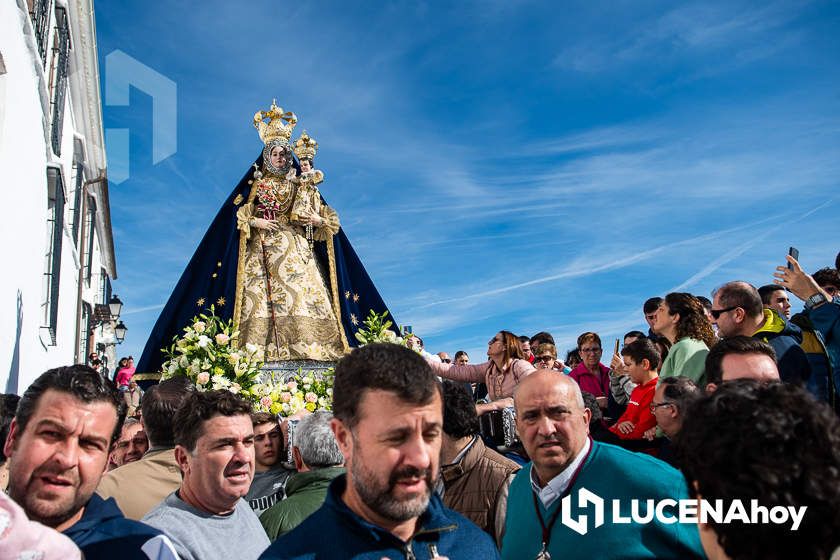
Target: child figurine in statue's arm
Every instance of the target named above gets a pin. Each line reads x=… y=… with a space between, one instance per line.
x=307 y=197
x=306 y=208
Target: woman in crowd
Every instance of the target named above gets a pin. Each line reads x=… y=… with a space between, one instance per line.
x=502 y=372
x=545 y=355
x=682 y=320
x=591 y=374
x=125 y=371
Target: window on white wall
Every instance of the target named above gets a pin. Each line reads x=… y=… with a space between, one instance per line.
x=58 y=76
x=52 y=268
x=91 y=227
x=105 y=287
x=39 y=11
x=78 y=181
x=84 y=335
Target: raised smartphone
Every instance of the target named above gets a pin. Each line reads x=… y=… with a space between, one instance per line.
x=793 y=252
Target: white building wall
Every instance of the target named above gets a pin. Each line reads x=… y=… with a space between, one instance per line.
x=26 y=349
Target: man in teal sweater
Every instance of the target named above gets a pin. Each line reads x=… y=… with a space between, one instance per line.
x=553 y=425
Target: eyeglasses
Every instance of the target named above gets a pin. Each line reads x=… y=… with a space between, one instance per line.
x=830 y=290
x=545 y=358
x=446 y=360
x=716 y=313
x=654 y=406
x=590 y=350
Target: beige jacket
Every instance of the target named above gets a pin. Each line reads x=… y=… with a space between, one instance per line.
x=139 y=486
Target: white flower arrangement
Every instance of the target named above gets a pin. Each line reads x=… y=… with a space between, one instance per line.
x=377 y=328
x=207 y=355
x=304 y=391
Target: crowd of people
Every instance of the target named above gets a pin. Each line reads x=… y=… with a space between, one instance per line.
x=728 y=399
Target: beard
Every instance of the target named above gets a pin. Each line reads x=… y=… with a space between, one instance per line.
x=44 y=507
x=379 y=496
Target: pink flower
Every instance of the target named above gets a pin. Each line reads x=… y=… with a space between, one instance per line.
x=203 y=378
x=222 y=339
x=266 y=402
x=291 y=386
x=285 y=397
x=311 y=397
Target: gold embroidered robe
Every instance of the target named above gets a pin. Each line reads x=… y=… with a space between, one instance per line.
x=307 y=326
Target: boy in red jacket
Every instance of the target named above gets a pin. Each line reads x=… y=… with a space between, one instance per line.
x=642 y=359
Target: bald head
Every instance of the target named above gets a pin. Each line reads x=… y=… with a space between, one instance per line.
x=551 y=420
x=544 y=379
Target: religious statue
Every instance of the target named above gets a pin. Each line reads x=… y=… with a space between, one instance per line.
x=307 y=197
x=276 y=261
x=284 y=304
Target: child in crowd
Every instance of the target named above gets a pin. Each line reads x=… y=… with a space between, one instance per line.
x=642 y=360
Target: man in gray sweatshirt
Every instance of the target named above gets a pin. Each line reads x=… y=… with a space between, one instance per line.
x=214 y=447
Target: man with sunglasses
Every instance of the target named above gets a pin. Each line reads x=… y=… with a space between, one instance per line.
x=737 y=310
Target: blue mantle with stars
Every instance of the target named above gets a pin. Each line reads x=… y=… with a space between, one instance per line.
x=210 y=279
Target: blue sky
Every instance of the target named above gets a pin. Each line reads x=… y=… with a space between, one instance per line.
x=519 y=165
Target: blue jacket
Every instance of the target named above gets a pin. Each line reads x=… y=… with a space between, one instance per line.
x=785 y=338
x=821 y=382
x=104 y=533
x=826 y=320
x=335 y=531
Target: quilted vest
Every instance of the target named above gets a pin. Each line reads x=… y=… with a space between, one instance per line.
x=473 y=484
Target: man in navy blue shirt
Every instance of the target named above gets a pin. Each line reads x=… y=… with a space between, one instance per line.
x=388 y=424
x=64 y=429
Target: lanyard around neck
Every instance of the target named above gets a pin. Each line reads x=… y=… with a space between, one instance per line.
x=546 y=529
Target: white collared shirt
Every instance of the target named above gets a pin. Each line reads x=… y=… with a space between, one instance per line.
x=549 y=493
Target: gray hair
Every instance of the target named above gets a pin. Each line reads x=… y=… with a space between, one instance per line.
x=315 y=441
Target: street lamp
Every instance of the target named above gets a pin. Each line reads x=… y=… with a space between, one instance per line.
x=115 y=306
x=119 y=332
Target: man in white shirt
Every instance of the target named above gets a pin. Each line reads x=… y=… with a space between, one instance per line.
x=553 y=425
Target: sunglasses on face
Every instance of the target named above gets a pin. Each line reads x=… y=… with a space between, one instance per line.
x=590 y=350
x=545 y=358
x=716 y=313
x=446 y=361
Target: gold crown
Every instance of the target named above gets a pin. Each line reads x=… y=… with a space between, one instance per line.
x=305 y=147
x=275 y=127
